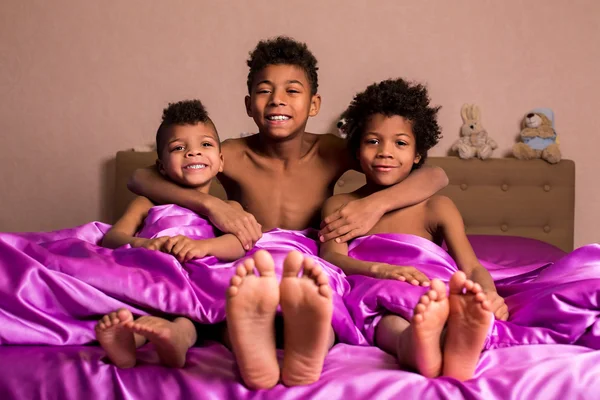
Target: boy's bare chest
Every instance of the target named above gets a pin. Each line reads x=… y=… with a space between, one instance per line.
x=411 y=220
x=287 y=198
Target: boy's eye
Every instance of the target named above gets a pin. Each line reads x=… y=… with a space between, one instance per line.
x=401 y=143
x=262 y=91
x=371 y=141
x=207 y=144
x=293 y=91
x=178 y=148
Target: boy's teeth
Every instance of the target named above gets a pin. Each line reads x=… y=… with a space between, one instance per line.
x=278 y=117
x=199 y=166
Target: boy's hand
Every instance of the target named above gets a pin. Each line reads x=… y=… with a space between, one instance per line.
x=150 y=244
x=499 y=308
x=405 y=274
x=184 y=249
x=229 y=219
x=351 y=220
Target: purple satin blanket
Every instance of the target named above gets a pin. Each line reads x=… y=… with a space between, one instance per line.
x=54 y=286
x=552 y=301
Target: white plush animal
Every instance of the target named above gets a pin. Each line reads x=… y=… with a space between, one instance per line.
x=474 y=140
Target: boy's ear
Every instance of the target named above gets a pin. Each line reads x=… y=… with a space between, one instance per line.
x=417 y=159
x=248 y=103
x=161 y=168
x=222 y=162
x=315 y=105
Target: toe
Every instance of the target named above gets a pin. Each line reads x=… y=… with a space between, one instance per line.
x=242 y=270
x=123 y=314
x=292 y=264
x=322 y=279
x=476 y=288
x=232 y=291
x=439 y=286
x=236 y=280
x=420 y=308
x=264 y=263
x=325 y=291
x=433 y=295
x=457 y=282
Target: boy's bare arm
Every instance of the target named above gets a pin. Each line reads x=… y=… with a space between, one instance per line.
x=149 y=183
x=337 y=254
x=448 y=218
x=226 y=247
x=358 y=217
x=123 y=231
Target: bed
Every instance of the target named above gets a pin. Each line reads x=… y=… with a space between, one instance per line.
x=518 y=215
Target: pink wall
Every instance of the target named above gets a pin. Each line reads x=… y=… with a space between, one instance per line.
x=81 y=80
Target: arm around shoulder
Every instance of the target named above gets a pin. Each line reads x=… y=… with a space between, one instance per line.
x=148 y=182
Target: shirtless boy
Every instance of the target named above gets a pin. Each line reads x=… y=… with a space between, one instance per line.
x=188 y=149
x=390 y=128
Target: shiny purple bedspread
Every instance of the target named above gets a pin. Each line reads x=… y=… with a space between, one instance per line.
x=54 y=286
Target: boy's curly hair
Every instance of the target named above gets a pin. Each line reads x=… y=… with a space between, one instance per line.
x=186 y=112
x=283 y=50
x=394 y=97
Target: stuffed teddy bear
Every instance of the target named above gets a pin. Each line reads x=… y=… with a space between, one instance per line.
x=538 y=137
x=474 y=140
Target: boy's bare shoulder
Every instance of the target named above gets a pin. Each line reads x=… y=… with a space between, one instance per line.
x=333 y=149
x=336 y=201
x=439 y=202
x=442 y=209
x=233 y=145
x=328 y=142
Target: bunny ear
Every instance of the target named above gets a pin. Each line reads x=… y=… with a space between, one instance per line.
x=464 y=112
x=476 y=113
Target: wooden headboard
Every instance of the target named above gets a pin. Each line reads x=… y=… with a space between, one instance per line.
x=500 y=196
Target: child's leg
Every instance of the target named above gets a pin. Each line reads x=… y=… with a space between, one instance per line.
x=468 y=324
x=417 y=345
x=251 y=305
x=118 y=342
x=171 y=339
x=306 y=304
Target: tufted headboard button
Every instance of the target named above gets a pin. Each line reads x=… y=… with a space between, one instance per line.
x=546 y=188
x=341 y=183
x=504 y=227
x=504 y=187
x=547 y=228
x=463 y=186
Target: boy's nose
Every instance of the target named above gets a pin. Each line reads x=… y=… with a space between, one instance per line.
x=193 y=153
x=384 y=151
x=277 y=99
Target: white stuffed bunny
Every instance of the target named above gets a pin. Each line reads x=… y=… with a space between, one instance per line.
x=474 y=140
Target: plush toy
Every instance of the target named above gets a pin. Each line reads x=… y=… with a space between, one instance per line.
x=474 y=140
x=538 y=137
x=341 y=128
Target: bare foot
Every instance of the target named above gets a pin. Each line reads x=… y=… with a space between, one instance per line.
x=171 y=339
x=251 y=305
x=468 y=324
x=306 y=303
x=428 y=322
x=115 y=339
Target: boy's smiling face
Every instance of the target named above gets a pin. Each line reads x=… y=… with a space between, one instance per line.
x=387 y=149
x=191 y=155
x=281 y=101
